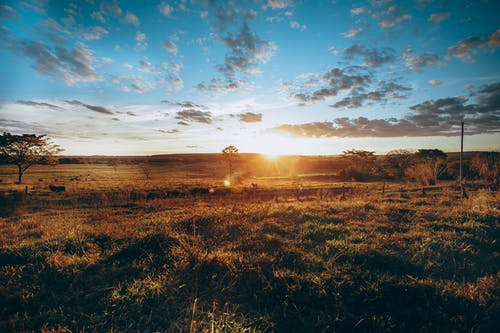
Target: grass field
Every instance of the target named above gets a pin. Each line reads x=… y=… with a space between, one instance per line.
x=118 y=252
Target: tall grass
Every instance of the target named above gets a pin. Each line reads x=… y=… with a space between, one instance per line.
x=99 y=259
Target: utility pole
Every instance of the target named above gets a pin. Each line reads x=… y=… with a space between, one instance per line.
x=462 y=188
x=461 y=152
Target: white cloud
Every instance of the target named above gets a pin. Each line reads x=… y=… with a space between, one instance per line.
x=130 y=18
x=438 y=17
x=146 y=66
x=359 y=11
x=279 y=4
x=296 y=25
x=389 y=23
x=98 y=16
x=436 y=82
x=353 y=32
x=165 y=9
x=142 y=41
x=170 y=47
x=95 y=33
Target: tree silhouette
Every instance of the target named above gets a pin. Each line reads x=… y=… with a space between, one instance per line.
x=114 y=162
x=228 y=153
x=27 y=149
x=429 y=165
x=146 y=168
x=360 y=163
x=398 y=161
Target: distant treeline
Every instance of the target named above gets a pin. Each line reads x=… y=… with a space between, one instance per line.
x=425 y=166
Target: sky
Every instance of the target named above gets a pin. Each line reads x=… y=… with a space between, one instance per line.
x=118 y=77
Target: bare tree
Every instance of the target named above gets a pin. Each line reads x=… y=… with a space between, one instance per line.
x=26 y=150
x=146 y=168
x=114 y=162
x=229 y=153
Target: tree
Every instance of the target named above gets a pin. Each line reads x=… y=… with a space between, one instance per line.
x=114 y=162
x=26 y=150
x=429 y=164
x=398 y=161
x=361 y=164
x=145 y=168
x=229 y=153
x=487 y=165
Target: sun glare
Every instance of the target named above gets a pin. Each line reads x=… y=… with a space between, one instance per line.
x=271 y=156
x=271 y=146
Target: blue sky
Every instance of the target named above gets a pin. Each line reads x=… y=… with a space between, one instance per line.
x=273 y=76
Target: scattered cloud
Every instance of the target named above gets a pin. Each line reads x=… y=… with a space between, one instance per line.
x=33 y=103
x=165 y=9
x=431 y=118
x=141 y=41
x=438 y=17
x=111 y=8
x=73 y=65
x=172 y=131
x=353 y=32
x=137 y=86
x=297 y=26
x=192 y=115
x=436 y=82
x=391 y=22
x=8 y=13
x=99 y=109
x=217 y=86
x=246 y=50
x=465 y=49
x=494 y=39
x=170 y=47
x=331 y=83
x=145 y=66
x=371 y=57
x=95 y=33
x=382 y=93
x=439 y=117
x=54 y=25
x=279 y=4
x=250 y=117
x=359 y=11
x=417 y=62
x=98 y=17
x=130 y=18
x=186 y=104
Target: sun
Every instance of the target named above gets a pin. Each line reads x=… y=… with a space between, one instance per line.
x=270 y=145
x=271 y=157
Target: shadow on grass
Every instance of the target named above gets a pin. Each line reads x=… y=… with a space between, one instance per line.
x=366 y=293
x=34 y=295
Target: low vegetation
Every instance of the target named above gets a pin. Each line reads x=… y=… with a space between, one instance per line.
x=115 y=251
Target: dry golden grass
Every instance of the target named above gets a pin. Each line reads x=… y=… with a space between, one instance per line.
x=119 y=253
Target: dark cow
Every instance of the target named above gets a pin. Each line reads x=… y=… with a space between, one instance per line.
x=55 y=188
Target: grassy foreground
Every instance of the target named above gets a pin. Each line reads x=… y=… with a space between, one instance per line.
x=250 y=262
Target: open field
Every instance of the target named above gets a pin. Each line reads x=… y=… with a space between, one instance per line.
x=298 y=252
